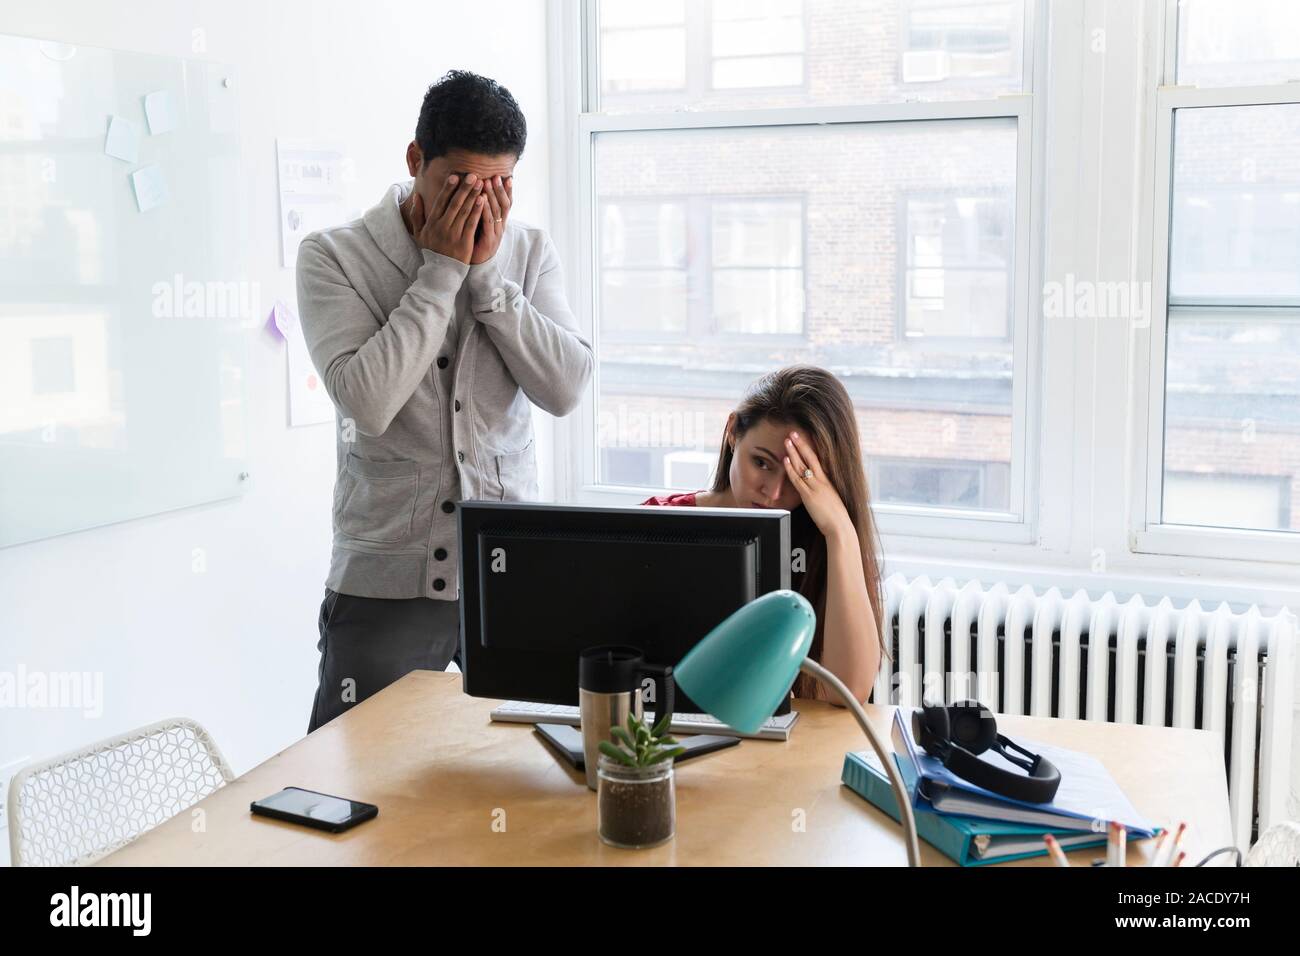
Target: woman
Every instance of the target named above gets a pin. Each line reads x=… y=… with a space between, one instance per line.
x=793 y=444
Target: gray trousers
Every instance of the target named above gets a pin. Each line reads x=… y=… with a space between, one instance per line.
x=368 y=643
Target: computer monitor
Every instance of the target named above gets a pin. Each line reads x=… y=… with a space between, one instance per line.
x=542 y=582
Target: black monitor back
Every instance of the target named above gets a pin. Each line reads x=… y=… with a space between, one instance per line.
x=539 y=583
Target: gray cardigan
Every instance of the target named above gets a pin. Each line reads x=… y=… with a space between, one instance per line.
x=431 y=365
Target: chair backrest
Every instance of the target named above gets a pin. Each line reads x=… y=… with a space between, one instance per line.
x=1279 y=845
x=83 y=805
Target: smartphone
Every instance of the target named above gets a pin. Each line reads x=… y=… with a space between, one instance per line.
x=312 y=809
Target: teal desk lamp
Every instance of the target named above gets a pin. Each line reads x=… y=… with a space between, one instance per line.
x=741 y=669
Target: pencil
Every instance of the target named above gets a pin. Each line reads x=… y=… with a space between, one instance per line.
x=1182 y=855
x=1112 y=844
x=1176 y=844
x=1121 y=845
x=1054 y=848
x=1155 y=854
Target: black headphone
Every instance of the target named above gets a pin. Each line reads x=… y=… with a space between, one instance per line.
x=956 y=734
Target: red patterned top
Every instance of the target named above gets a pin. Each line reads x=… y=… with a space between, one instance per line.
x=686 y=498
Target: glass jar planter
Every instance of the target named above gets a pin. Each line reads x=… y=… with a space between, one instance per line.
x=637 y=805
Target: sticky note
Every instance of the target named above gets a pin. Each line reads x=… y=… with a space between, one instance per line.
x=150 y=187
x=123 y=140
x=160 y=112
x=282 y=319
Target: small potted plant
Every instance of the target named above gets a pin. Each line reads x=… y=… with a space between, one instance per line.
x=635 y=795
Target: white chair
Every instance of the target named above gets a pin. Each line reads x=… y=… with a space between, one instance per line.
x=1279 y=845
x=79 y=807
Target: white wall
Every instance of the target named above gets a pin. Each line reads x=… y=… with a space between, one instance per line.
x=234 y=647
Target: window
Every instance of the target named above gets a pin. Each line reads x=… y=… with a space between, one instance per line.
x=643 y=266
x=643 y=46
x=1238 y=42
x=758 y=265
x=656 y=54
x=946 y=40
x=878 y=241
x=1223 y=450
x=750 y=259
x=950 y=484
x=742 y=54
x=757 y=44
x=957 y=276
x=1229 y=501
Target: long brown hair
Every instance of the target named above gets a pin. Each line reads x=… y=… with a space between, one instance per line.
x=816 y=402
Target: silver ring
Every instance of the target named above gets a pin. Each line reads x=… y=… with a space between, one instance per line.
x=807 y=474
x=498 y=220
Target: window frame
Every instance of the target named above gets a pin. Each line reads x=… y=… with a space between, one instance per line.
x=1088 y=423
x=1150 y=534
x=575 y=33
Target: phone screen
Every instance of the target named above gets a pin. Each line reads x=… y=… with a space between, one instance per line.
x=314 y=806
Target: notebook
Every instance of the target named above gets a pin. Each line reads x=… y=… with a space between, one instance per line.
x=966 y=840
x=1088 y=798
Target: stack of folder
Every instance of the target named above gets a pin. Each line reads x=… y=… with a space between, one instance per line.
x=974 y=826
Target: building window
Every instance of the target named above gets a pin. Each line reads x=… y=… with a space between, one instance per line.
x=967 y=485
x=957 y=271
x=952 y=40
x=758 y=54
x=757 y=267
x=749 y=256
x=757 y=43
x=643 y=46
x=1238 y=43
x=643 y=266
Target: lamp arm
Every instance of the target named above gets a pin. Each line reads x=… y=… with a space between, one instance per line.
x=812 y=668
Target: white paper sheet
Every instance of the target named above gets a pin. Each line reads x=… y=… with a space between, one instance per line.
x=309 y=404
x=312 y=191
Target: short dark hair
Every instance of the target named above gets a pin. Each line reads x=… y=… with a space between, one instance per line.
x=466 y=111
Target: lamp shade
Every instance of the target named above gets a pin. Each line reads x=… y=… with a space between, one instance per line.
x=743 y=667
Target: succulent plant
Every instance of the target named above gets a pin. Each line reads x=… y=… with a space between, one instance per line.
x=639 y=745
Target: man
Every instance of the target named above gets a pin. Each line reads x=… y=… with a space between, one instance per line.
x=433 y=320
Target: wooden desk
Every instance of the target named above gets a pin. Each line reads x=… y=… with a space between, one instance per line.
x=443 y=774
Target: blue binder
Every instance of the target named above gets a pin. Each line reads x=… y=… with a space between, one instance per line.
x=1087 y=800
x=967 y=840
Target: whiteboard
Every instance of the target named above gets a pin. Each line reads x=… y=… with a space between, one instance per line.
x=124 y=306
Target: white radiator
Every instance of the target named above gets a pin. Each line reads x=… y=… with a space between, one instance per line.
x=1023 y=653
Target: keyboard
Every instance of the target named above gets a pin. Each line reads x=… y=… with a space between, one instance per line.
x=525 y=712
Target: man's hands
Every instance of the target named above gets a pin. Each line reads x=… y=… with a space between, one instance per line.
x=500 y=194
x=449 y=227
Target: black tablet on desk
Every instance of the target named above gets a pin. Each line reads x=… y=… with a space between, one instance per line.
x=567 y=742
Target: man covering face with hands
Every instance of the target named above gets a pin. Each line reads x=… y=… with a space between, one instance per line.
x=435 y=321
